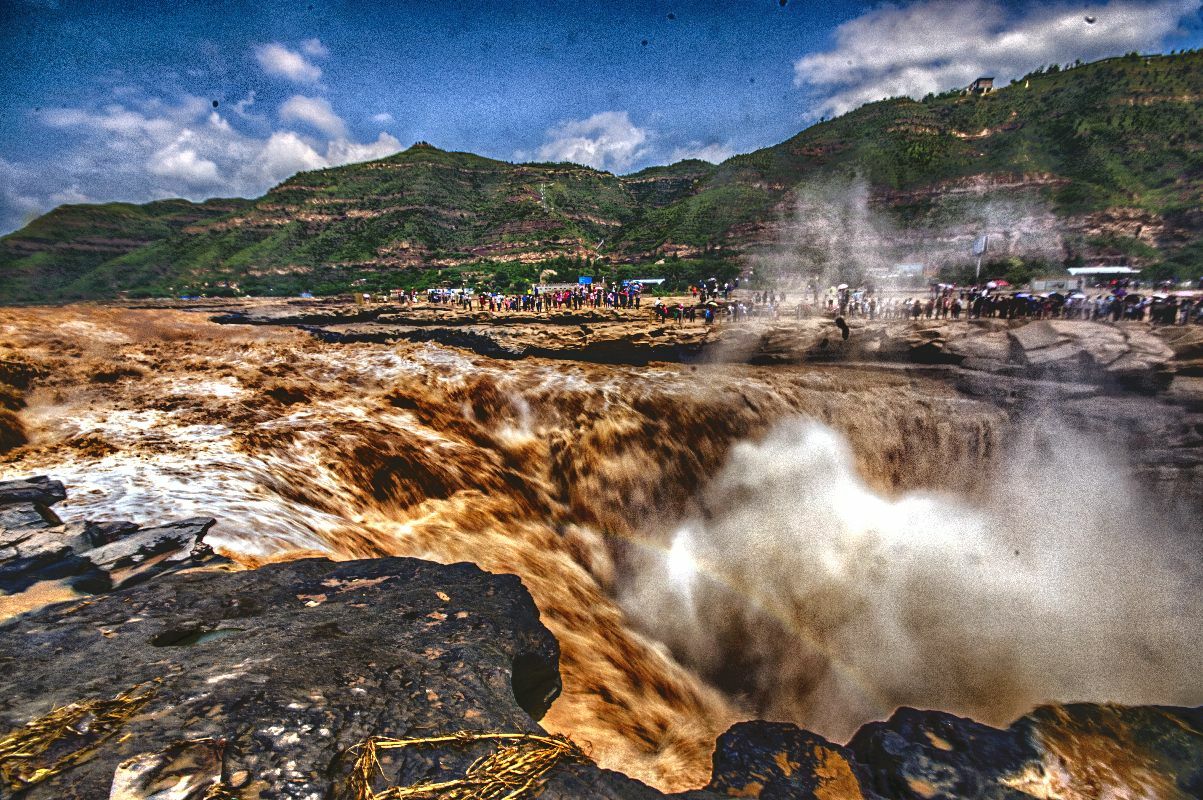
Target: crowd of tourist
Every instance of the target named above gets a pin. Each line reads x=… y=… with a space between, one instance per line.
x=1115 y=303
x=711 y=301
x=537 y=301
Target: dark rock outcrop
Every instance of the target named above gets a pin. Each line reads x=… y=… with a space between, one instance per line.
x=263 y=679
x=40 y=491
x=936 y=756
x=776 y=761
x=307 y=314
x=1081 y=750
x=36 y=546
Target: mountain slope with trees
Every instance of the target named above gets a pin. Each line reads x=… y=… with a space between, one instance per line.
x=1102 y=160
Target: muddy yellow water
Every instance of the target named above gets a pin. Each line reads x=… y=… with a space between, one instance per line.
x=706 y=543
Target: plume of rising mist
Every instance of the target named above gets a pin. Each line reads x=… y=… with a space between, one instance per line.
x=800 y=590
x=838 y=232
x=834 y=235
x=1017 y=219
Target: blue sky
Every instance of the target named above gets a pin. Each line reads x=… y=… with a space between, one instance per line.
x=115 y=100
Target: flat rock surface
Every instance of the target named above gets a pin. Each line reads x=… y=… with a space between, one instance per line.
x=286 y=667
x=1127 y=356
x=26 y=516
x=39 y=490
x=1036 y=335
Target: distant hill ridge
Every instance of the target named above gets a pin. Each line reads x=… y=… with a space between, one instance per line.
x=1101 y=160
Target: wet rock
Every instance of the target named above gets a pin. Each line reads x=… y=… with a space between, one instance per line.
x=986 y=365
x=1002 y=384
x=1186 y=342
x=100 y=533
x=40 y=490
x=971 y=343
x=186 y=770
x=290 y=665
x=1076 y=750
x=1140 y=371
x=138 y=555
x=1066 y=351
x=777 y=760
x=35 y=546
x=929 y=755
x=1186 y=392
x=331 y=313
x=27 y=516
x=25 y=503
x=33 y=555
x=135 y=547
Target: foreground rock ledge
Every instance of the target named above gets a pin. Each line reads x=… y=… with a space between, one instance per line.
x=265 y=677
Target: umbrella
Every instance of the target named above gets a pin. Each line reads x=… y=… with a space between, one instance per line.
x=842 y=286
x=1001 y=282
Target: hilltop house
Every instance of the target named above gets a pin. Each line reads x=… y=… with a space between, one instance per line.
x=981 y=86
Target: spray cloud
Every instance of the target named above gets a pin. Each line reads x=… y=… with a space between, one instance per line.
x=798 y=589
x=841 y=230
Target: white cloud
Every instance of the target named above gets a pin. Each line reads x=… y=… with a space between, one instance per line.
x=70 y=194
x=315 y=111
x=283 y=154
x=607 y=140
x=342 y=151
x=147 y=149
x=179 y=161
x=315 y=48
x=934 y=45
x=715 y=152
x=278 y=60
x=383 y=118
x=242 y=105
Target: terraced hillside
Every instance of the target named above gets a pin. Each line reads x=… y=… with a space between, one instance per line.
x=1062 y=166
x=1113 y=149
x=49 y=256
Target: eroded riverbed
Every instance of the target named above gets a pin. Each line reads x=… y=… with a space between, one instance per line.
x=708 y=542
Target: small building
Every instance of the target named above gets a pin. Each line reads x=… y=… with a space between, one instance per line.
x=1098 y=274
x=1054 y=283
x=1103 y=271
x=912 y=270
x=981 y=86
x=543 y=288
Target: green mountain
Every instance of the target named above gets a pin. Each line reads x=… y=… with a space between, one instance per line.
x=58 y=250
x=1103 y=160
x=1120 y=137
